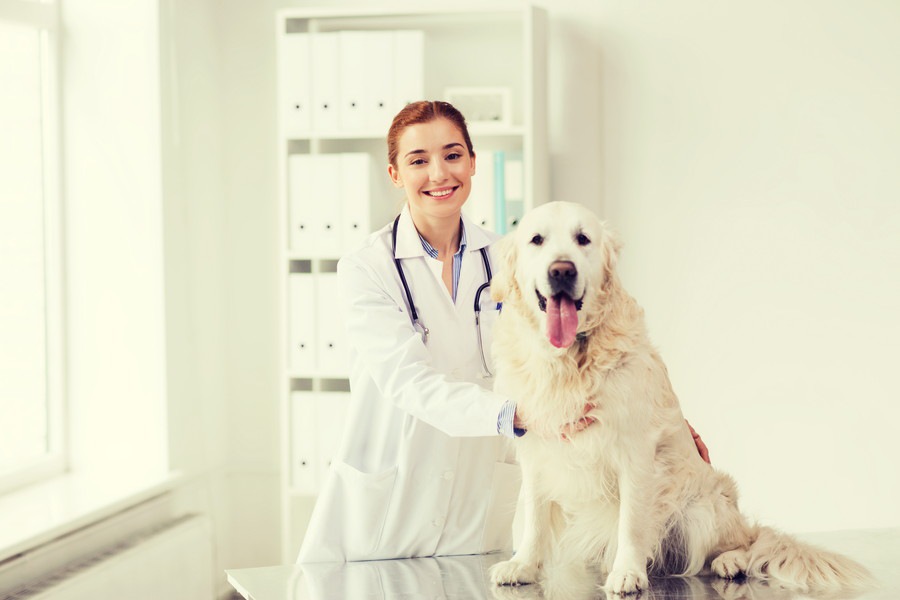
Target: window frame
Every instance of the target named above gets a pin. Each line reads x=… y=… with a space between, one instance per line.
x=44 y=17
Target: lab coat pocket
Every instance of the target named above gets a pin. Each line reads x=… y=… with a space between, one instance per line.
x=498 y=524
x=367 y=500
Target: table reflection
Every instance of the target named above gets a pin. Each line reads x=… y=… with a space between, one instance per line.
x=466 y=577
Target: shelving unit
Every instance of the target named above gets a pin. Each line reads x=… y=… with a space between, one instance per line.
x=461 y=46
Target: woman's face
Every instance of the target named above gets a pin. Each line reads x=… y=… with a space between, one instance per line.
x=434 y=168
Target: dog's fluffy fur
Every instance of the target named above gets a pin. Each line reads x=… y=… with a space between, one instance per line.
x=630 y=493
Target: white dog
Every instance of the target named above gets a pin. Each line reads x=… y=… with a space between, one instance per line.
x=629 y=492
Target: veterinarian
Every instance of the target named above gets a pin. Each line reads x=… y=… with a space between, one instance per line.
x=423 y=468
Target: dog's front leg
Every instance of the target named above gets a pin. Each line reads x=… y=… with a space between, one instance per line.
x=526 y=565
x=629 y=569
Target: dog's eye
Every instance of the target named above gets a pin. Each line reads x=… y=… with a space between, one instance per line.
x=537 y=240
x=582 y=239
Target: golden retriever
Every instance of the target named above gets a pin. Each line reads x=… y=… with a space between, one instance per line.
x=629 y=494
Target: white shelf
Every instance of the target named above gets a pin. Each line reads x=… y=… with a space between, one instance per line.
x=476 y=130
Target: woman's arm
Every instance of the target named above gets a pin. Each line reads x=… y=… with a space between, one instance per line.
x=399 y=363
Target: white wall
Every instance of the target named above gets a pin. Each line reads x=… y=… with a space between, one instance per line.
x=747 y=154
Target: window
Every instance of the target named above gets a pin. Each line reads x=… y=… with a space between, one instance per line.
x=31 y=386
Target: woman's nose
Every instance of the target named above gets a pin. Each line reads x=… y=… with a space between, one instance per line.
x=437 y=171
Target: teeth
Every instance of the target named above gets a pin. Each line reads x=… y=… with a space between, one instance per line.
x=441 y=193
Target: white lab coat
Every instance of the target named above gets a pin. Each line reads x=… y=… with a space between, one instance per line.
x=421 y=470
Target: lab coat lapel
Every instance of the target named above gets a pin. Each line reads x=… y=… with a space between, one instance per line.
x=472 y=274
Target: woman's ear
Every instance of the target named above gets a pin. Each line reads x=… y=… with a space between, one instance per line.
x=504 y=260
x=395 y=176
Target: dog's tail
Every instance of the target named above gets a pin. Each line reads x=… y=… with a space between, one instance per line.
x=802 y=566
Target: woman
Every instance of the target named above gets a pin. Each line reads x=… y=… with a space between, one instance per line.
x=423 y=468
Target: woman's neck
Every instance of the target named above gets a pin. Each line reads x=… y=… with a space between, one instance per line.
x=442 y=233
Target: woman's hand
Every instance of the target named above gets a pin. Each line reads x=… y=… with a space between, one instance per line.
x=698 y=441
x=581 y=424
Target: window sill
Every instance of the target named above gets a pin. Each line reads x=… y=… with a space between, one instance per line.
x=40 y=513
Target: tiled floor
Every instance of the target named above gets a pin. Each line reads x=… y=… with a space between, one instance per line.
x=465 y=578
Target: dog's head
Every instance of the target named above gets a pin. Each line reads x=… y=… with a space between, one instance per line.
x=558 y=265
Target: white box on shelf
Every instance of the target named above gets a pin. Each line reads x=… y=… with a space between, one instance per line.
x=485 y=107
x=305 y=463
x=302 y=317
x=294 y=93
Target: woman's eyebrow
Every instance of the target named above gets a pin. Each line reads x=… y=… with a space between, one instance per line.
x=446 y=147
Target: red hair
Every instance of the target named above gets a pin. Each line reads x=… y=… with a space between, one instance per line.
x=424 y=111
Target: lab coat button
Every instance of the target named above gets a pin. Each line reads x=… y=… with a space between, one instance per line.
x=438 y=522
x=448 y=475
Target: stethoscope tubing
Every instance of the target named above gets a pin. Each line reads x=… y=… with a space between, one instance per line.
x=414 y=314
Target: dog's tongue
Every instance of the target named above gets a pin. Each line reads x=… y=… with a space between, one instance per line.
x=562 y=321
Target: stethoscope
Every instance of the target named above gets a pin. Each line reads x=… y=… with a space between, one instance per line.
x=414 y=314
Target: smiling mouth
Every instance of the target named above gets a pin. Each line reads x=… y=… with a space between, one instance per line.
x=542 y=301
x=441 y=193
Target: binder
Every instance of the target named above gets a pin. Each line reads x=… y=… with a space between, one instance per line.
x=514 y=175
x=325 y=55
x=331 y=413
x=380 y=70
x=305 y=460
x=500 y=191
x=356 y=183
x=409 y=81
x=331 y=352
x=295 y=97
x=302 y=311
x=325 y=206
x=480 y=205
x=301 y=235
x=353 y=80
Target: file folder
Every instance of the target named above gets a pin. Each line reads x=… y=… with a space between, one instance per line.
x=355 y=181
x=302 y=312
x=300 y=178
x=305 y=462
x=325 y=206
x=325 y=68
x=409 y=81
x=295 y=97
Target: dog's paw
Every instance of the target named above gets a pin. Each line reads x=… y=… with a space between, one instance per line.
x=731 y=564
x=625 y=581
x=514 y=572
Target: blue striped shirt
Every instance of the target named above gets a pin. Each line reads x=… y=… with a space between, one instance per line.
x=457 y=258
x=508 y=410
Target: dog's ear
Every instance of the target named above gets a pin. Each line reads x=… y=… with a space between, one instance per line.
x=611 y=247
x=503 y=257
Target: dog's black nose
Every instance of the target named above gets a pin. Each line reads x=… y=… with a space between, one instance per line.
x=562 y=275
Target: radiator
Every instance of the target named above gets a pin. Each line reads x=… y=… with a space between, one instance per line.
x=172 y=560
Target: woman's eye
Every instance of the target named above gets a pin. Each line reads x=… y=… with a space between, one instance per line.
x=582 y=239
x=418 y=161
x=537 y=240
x=454 y=156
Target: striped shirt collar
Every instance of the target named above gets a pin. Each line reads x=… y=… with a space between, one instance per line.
x=457 y=258
x=462 y=242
